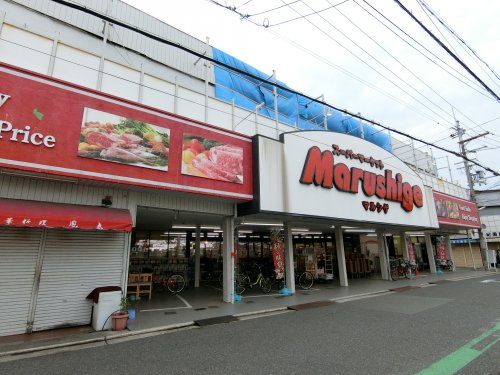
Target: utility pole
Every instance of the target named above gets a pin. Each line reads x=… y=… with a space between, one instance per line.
x=463 y=150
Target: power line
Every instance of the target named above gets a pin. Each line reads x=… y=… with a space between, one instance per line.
x=460 y=39
x=328 y=35
x=277 y=85
x=422 y=46
x=399 y=62
x=455 y=57
x=316 y=12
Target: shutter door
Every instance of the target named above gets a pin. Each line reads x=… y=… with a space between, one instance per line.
x=75 y=262
x=18 y=255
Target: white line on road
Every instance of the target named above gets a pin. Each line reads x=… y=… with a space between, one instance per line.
x=185 y=302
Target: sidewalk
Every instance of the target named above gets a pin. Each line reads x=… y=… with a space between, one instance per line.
x=205 y=303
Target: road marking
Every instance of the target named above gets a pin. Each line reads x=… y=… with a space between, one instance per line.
x=185 y=302
x=460 y=358
x=490 y=281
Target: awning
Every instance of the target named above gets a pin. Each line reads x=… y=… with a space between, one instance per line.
x=22 y=213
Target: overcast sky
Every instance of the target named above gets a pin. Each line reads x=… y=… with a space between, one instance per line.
x=318 y=55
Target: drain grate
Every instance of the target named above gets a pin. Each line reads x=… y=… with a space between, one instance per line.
x=311 y=305
x=217 y=320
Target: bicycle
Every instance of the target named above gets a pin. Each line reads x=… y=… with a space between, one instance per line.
x=402 y=268
x=242 y=282
x=304 y=280
x=174 y=283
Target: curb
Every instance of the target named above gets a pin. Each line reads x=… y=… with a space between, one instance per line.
x=260 y=312
x=104 y=339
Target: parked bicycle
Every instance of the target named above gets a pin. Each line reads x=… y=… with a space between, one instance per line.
x=304 y=280
x=243 y=282
x=402 y=268
x=445 y=264
x=174 y=283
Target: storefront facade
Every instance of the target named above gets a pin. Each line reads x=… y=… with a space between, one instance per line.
x=343 y=187
x=77 y=167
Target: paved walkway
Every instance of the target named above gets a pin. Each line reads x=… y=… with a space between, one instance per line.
x=168 y=310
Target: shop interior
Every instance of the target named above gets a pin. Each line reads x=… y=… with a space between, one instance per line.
x=163 y=246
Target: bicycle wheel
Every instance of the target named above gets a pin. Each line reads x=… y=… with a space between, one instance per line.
x=409 y=273
x=306 y=280
x=394 y=274
x=265 y=284
x=176 y=283
x=240 y=283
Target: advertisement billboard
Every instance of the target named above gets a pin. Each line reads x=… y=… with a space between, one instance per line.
x=53 y=127
x=456 y=211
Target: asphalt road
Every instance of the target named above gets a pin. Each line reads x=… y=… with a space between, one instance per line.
x=428 y=329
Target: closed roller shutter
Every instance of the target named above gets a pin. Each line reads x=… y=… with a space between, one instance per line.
x=18 y=256
x=75 y=262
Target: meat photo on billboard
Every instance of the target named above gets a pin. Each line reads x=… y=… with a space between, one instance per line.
x=105 y=136
x=207 y=158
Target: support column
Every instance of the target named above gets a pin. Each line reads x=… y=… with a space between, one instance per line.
x=228 y=255
x=289 y=265
x=404 y=245
x=383 y=254
x=197 y=257
x=447 y=243
x=430 y=253
x=339 y=245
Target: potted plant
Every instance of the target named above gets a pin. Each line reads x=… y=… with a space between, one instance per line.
x=120 y=318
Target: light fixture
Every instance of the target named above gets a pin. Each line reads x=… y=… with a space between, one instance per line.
x=360 y=230
x=263 y=224
x=300 y=230
x=308 y=233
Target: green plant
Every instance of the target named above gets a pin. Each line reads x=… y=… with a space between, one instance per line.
x=124 y=304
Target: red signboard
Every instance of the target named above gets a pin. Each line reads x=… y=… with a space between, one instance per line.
x=54 y=127
x=456 y=211
x=21 y=213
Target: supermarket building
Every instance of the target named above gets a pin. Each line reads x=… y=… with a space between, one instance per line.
x=120 y=154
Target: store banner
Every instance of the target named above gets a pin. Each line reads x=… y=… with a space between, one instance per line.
x=278 y=250
x=441 y=251
x=456 y=211
x=57 y=128
x=411 y=250
x=337 y=176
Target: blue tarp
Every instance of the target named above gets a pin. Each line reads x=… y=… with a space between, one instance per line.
x=293 y=109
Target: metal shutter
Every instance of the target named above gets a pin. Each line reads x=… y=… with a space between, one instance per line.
x=18 y=257
x=75 y=262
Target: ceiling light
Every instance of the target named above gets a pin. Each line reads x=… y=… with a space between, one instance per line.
x=359 y=230
x=264 y=224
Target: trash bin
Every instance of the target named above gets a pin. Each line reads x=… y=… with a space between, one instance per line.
x=106 y=302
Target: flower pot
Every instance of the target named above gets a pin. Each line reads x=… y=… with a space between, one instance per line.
x=119 y=321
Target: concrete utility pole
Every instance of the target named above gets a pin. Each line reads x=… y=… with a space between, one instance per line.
x=463 y=151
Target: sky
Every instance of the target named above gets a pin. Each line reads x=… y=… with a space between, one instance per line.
x=359 y=64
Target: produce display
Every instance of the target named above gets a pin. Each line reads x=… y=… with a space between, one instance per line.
x=211 y=159
x=105 y=136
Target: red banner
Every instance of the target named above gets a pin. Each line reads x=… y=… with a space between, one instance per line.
x=57 y=128
x=278 y=258
x=456 y=211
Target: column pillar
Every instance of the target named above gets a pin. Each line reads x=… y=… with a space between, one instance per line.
x=404 y=245
x=228 y=256
x=447 y=243
x=430 y=253
x=339 y=245
x=383 y=254
x=289 y=265
x=197 y=257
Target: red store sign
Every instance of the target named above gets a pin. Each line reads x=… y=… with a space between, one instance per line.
x=53 y=127
x=456 y=211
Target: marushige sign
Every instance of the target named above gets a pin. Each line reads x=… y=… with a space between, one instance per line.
x=320 y=168
x=337 y=176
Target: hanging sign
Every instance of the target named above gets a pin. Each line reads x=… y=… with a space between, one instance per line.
x=456 y=211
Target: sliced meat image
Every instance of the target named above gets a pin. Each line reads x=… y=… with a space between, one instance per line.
x=119 y=153
x=130 y=138
x=228 y=158
x=212 y=170
x=103 y=140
